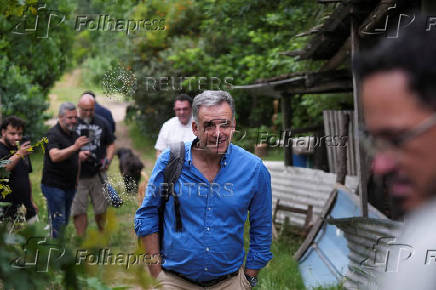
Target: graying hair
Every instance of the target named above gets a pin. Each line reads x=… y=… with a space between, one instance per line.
x=67 y=106
x=211 y=98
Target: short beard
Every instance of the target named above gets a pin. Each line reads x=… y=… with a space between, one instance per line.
x=87 y=120
x=9 y=144
x=71 y=128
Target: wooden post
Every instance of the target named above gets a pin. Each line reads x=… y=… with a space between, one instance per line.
x=287 y=119
x=362 y=169
x=341 y=160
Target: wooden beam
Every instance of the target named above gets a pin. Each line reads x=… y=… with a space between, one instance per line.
x=358 y=123
x=330 y=88
x=287 y=119
x=341 y=160
x=318 y=224
x=292 y=53
x=339 y=57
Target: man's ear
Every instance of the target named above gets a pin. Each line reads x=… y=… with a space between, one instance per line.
x=194 y=128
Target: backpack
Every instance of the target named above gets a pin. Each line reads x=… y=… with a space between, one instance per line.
x=171 y=173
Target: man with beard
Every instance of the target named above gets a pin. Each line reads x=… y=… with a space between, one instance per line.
x=61 y=164
x=399 y=98
x=203 y=222
x=19 y=167
x=92 y=171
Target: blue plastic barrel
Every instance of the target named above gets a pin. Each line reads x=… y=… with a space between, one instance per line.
x=299 y=160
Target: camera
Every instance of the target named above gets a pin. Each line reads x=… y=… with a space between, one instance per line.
x=84 y=132
x=25 y=139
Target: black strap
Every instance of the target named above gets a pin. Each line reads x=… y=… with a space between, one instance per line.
x=171 y=173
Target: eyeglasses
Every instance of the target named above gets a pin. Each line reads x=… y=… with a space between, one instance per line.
x=374 y=144
x=182 y=110
x=222 y=124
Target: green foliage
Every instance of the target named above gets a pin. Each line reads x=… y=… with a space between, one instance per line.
x=16 y=252
x=32 y=60
x=240 y=40
x=19 y=97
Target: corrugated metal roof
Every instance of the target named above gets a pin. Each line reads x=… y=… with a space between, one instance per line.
x=300 y=187
x=368 y=241
x=325 y=259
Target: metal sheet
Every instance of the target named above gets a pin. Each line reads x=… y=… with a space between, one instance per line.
x=368 y=241
x=326 y=260
x=300 y=187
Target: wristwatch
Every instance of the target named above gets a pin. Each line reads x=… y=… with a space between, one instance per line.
x=252 y=280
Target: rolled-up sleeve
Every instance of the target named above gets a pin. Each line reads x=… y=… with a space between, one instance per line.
x=260 y=222
x=146 y=217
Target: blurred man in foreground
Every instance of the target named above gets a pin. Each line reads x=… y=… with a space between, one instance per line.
x=399 y=97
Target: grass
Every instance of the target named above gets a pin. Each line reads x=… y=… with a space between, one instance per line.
x=65 y=92
x=143 y=144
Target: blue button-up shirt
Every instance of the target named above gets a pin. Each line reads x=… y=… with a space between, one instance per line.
x=211 y=243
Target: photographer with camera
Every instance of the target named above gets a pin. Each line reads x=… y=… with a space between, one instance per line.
x=15 y=148
x=100 y=150
x=61 y=165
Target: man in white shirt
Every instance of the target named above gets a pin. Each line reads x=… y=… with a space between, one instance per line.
x=178 y=128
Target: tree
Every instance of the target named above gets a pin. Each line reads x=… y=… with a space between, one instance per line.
x=35 y=44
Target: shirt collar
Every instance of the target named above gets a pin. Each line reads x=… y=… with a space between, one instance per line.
x=187 y=124
x=224 y=159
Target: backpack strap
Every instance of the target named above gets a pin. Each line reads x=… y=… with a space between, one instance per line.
x=171 y=173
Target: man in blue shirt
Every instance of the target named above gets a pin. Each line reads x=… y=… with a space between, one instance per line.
x=219 y=184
